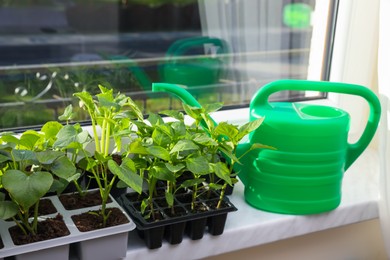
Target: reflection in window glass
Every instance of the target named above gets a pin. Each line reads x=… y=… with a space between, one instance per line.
x=220 y=50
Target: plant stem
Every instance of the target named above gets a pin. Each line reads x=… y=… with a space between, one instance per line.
x=103 y=136
x=95 y=135
x=107 y=141
x=152 y=185
x=26 y=223
x=221 y=196
x=141 y=174
x=80 y=190
x=194 y=195
x=19 y=225
x=35 y=219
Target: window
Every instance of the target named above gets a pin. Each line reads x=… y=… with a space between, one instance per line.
x=222 y=51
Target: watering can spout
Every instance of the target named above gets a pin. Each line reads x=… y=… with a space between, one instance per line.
x=182 y=94
x=179 y=91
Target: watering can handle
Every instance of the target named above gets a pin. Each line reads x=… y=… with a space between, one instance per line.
x=179 y=47
x=260 y=99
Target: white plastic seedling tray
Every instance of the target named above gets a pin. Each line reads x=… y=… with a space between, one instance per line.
x=75 y=235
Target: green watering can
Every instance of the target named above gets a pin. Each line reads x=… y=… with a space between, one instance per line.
x=303 y=175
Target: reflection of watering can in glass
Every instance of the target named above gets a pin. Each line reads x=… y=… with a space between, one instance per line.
x=197 y=71
x=200 y=70
x=304 y=174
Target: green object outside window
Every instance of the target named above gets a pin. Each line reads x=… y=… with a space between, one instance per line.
x=297 y=15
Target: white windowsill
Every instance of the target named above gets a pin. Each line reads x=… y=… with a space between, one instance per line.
x=250 y=227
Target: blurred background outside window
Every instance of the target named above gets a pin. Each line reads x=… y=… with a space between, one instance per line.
x=220 y=50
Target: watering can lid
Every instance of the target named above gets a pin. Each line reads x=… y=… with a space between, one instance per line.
x=303 y=119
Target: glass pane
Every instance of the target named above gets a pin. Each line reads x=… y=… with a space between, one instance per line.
x=220 y=50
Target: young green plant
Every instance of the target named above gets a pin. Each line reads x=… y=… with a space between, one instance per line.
x=110 y=121
x=225 y=138
x=27 y=176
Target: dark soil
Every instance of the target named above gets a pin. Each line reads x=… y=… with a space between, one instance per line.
x=176 y=212
x=46 y=207
x=137 y=206
x=198 y=207
x=1 y=243
x=208 y=195
x=212 y=204
x=134 y=196
x=157 y=216
x=89 y=221
x=75 y=201
x=162 y=202
x=185 y=198
x=47 y=229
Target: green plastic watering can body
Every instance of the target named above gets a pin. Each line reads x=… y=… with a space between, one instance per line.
x=303 y=175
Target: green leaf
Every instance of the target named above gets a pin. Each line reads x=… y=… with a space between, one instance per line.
x=27 y=189
x=147 y=141
x=51 y=129
x=193 y=112
x=260 y=146
x=86 y=100
x=179 y=129
x=8 y=209
x=158 y=152
x=192 y=182
x=29 y=139
x=65 y=136
x=209 y=108
x=198 y=165
x=48 y=156
x=174 y=168
x=23 y=155
x=227 y=130
x=160 y=137
x=169 y=198
x=227 y=152
x=204 y=139
x=10 y=138
x=215 y=186
x=155 y=119
x=106 y=99
x=160 y=172
x=184 y=145
x=63 y=168
x=140 y=163
x=4 y=158
x=144 y=206
x=136 y=147
x=58 y=186
x=128 y=114
x=126 y=173
x=68 y=114
x=174 y=114
x=249 y=127
x=222 y=171
x=138 y=112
